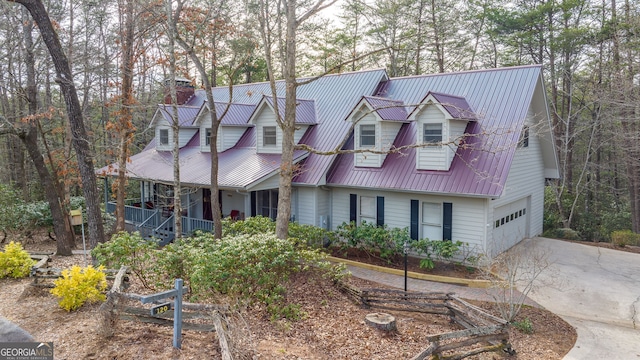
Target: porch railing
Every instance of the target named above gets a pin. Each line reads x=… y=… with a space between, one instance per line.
x=150 y=222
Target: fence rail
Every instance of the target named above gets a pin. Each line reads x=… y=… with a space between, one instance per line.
x=480 y=326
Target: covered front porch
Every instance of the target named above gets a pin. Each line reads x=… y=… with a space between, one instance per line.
x=153 y=213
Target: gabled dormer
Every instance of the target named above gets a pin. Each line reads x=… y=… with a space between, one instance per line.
x=376 y=124
x=269 y=134
x=163 y=120
x=441 y=121
x=234 y=123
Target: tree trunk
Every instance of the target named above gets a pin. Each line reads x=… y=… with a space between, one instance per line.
x=54 y=190
x=80 y=139
x=177 y=188
x=124 y=125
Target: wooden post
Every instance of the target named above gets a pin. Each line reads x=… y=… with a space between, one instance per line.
x=176 y=293
x=177 y=315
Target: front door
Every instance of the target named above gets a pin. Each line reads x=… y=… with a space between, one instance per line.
x=268 y=203
x=206 y=205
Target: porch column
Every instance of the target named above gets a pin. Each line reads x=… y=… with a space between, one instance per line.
x=143 y=204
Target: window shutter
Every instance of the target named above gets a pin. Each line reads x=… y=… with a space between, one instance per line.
x=447 y=214
x=254 y=203
x=415 y=218
x=380 y=211
x=353 y=207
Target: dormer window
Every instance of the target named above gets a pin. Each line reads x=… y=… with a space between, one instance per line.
x=368 y=136
x=164 y=136
x=269 y=136
x=432 y=134
x=207 y=137
x=524 y=137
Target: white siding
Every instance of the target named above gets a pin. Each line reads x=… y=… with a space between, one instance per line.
x=312 y=205
x=306 y=205
x=433 y=157
x=164 y=126
x=232 y=200
x=368 y=159
x=300 y=130
x=230 y=136
x=266 y=117
x=186 y=135
x=468 y=220
x=525 y=179
x=271 y=182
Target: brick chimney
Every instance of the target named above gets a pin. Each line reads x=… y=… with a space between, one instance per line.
x=184 y=90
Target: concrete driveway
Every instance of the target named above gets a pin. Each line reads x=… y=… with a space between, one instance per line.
x=597 y=291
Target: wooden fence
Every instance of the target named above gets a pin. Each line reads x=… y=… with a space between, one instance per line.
x=479 y=326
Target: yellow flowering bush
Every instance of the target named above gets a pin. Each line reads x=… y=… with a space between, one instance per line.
x=79 y=285
x=15 y=262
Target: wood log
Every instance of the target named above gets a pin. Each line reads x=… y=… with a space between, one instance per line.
x=166 y=322
x=222 y=336
x=426 y=352
x=470 y=341
x=120 y=277
x=381 y=321
x=44 y=259
x=464 y=333
x=466 y=354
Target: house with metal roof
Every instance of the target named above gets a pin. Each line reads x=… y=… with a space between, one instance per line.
x=455 y=156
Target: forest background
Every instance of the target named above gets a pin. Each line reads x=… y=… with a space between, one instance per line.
x=121 y=52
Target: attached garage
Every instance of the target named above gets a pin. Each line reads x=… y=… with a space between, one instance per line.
x=510 y=224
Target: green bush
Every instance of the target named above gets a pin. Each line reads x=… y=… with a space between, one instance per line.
x=625 y=238
x=252 y=268
x=79 y=285
x=563 y=233
x=251 y=226
x=437 y=250
x=312 y=235
x=127 y=249
x=375 y=240
x=15 y=262
x=525 y=326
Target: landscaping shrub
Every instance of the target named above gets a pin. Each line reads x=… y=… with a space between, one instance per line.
x=127 y=249
x=525 y=326
x=625 y=238
x=312 y=235
x=251 y=226
x=79 y=285
x=563 y=233
x=252 y=269
x=375 y=240
x=15 y=262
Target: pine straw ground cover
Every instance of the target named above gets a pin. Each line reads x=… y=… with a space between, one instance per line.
x=333 y=328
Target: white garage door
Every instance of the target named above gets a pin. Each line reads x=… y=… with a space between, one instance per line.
x=510 y=225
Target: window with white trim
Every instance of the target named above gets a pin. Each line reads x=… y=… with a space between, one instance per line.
x=269 y=136
x=368 y=209
x=432 y=133
x=523 y=142
x=367 y=136
x=164 y=136
x=207 y=137
x=432 y=221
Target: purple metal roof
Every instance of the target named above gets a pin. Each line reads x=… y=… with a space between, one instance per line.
x=186 y=114
x=239 y=167
x=456 y=106
x=238 y=114
x=305 y=110
x=387 y=109
x=501 y=98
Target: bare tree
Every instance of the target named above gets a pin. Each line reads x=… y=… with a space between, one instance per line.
x=80 y=138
